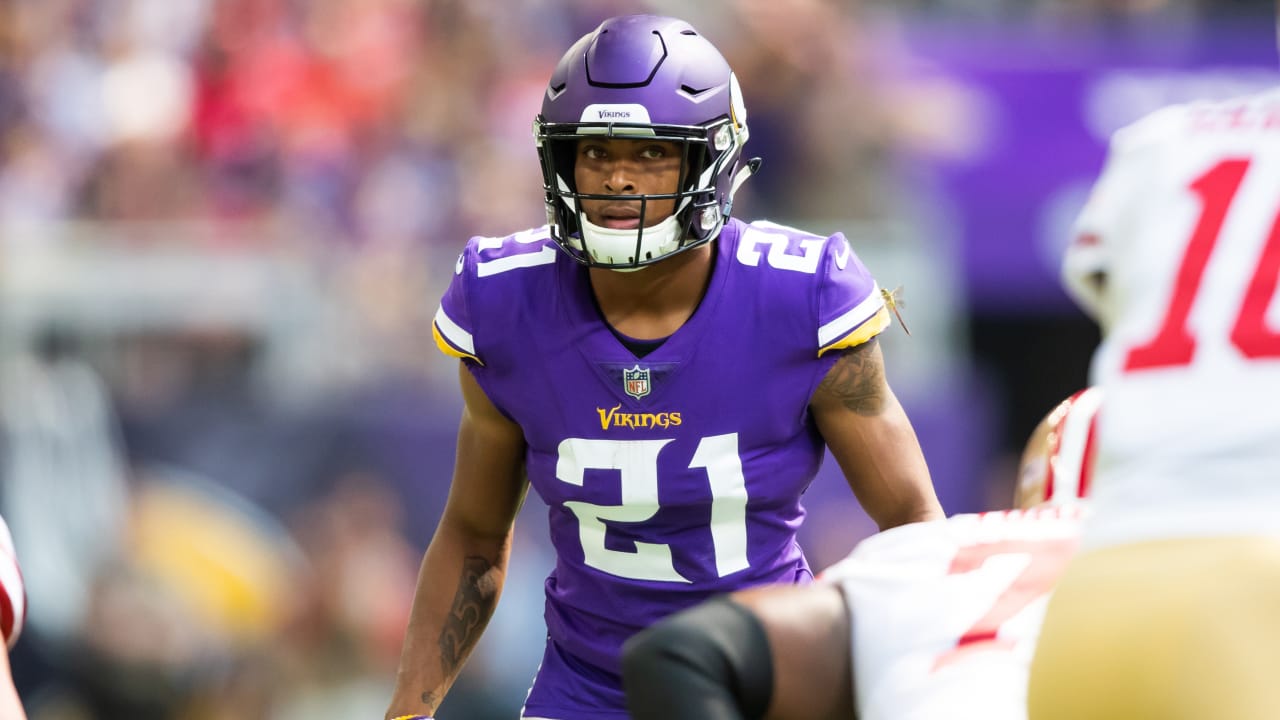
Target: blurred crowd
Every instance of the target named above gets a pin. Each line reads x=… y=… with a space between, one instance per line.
x=225 y=434
x=382 y=122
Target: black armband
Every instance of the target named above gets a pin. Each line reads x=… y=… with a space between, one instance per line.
x=711 y=662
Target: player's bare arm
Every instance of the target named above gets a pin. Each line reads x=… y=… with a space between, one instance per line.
x=857 y=380
x=474 y=601
x=780 y=652
x=10 y=703
x=871 y=438
x=809 y=631
x=469 y=553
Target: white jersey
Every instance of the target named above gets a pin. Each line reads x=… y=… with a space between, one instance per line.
x=1185 y=224
x=13 y=594
x=945 y=614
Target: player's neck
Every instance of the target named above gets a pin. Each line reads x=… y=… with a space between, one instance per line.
x=654 y=302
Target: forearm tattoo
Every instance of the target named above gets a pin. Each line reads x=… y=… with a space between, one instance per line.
x=472 y=606
x=857 y=379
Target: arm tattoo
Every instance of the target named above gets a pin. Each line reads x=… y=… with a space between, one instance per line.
x=857 y=379
x=472 y=606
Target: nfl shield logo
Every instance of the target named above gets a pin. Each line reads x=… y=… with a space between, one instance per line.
x=636 y=381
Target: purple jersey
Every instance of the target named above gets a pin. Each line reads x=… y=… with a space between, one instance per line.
x=672 y=477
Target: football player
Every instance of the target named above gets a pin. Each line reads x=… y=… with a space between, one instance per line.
x=13 y=611
x=664 y=375
x=923 y=622
x=1172 y=609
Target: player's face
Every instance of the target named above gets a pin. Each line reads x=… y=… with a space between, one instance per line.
x=615 y=166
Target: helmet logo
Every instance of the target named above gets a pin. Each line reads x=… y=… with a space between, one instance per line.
x=636 y=381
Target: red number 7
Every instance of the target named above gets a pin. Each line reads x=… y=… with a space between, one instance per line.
x=1045 y=561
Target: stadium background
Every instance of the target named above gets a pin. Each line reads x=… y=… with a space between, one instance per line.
x=225 y=434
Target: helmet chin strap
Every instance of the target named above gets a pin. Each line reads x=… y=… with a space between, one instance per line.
x=744 y=173
x=605 y=244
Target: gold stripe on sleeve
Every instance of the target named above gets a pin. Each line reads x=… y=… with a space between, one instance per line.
x=864 y=332
x=448 y=349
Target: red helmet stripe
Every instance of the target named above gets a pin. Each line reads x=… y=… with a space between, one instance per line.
x=1086 y=463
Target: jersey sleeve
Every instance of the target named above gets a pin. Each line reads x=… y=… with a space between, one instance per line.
x=13 y=594
x=483 y=286
x=453 y=327
x=851 y=309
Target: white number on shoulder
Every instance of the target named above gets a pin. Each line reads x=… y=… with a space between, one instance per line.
x=778 y=242
x=545 y=256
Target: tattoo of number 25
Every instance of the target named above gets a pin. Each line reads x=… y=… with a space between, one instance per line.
x=472 y=606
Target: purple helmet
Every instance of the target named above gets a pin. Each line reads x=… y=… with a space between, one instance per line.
x=652 y=77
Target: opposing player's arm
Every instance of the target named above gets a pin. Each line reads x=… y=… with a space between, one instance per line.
x=465 y=565
x=10 y=703
x=810 y=639
x=781 y=652
x=873 y=441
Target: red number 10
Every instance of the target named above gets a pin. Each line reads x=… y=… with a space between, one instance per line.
x=1174 y=344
